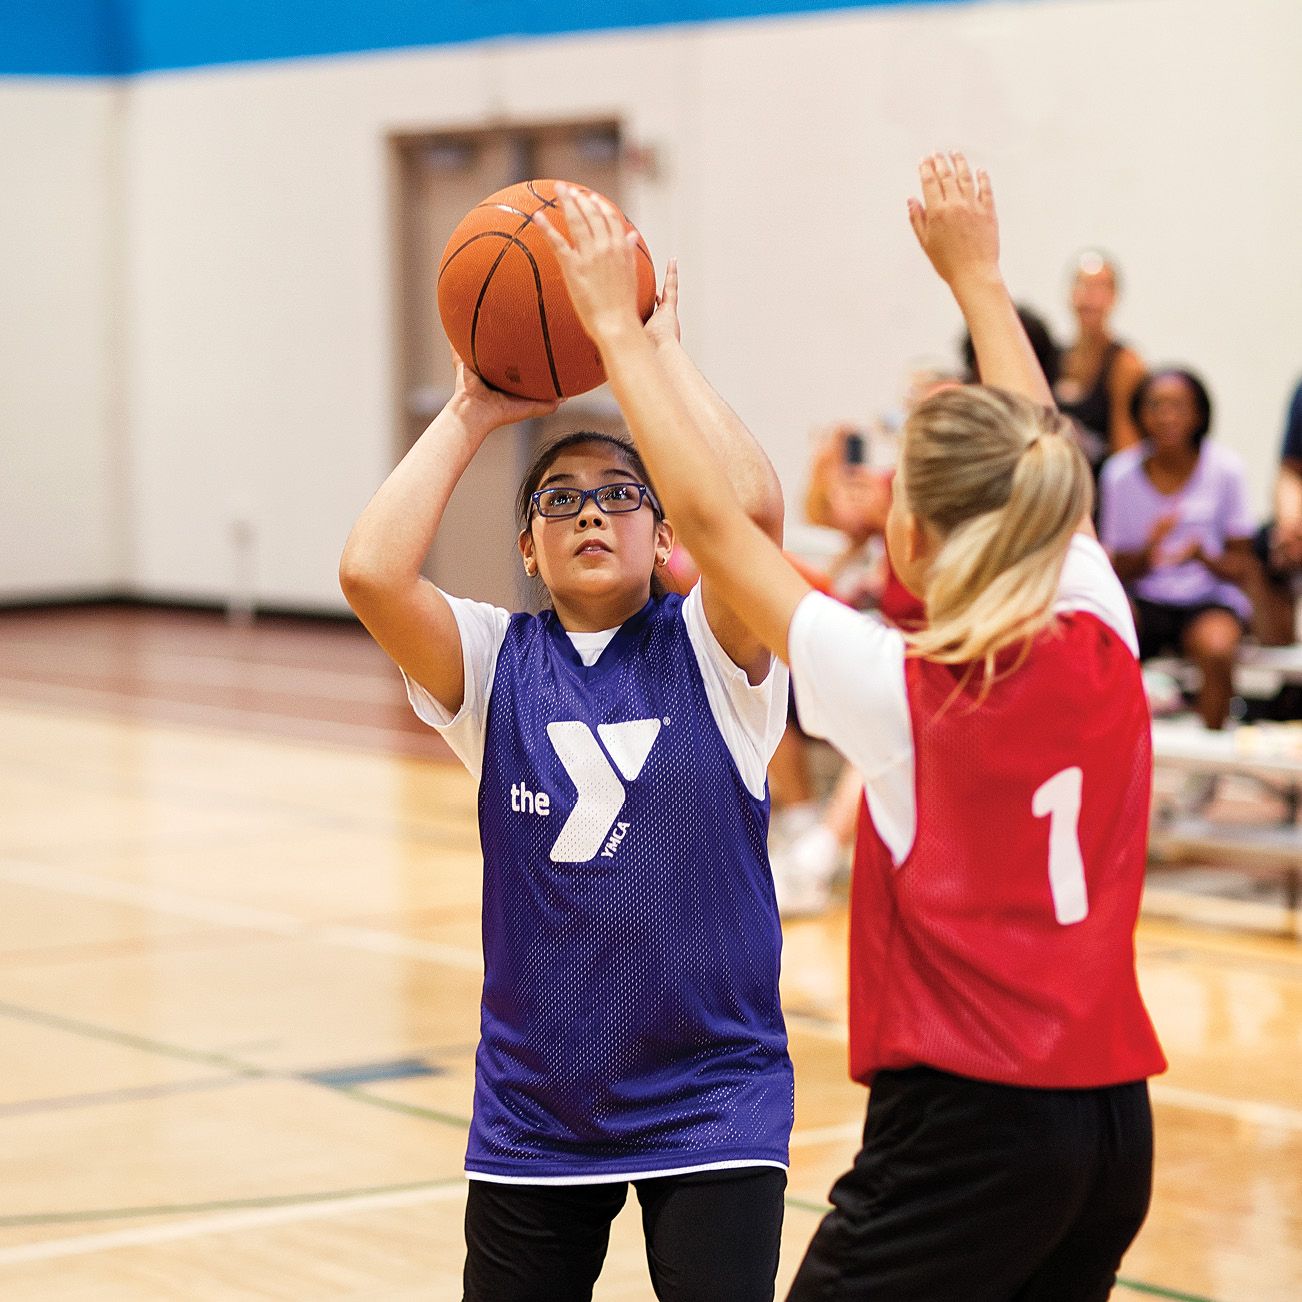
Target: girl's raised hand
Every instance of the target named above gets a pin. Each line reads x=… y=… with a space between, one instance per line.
x=662 y=326
x=955 y=220
x=492 y=408
x=597 y=262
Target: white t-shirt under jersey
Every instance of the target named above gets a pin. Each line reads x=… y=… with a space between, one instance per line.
x=848 y=671
x=751 y=719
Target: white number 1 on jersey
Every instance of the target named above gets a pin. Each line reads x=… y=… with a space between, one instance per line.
x=1058 y=800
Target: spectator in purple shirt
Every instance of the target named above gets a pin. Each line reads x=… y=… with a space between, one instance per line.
x=1176 y=522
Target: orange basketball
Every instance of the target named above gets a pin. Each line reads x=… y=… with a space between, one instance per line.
x=503 y=300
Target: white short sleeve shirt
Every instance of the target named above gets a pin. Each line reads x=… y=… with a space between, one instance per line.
x=848 y=674
x=750 y=718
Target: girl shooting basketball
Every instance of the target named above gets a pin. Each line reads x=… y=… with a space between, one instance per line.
x=1006 y=755
x=631 y=1030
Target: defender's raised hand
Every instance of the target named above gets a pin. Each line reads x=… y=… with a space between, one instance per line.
x=955 y=221
x=662 y=326
x=598 y=263
x=956 y=225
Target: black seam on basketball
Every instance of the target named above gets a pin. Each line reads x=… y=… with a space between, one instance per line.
x=511 y=238
x=526 y=218
x=479 y=302
x=483 y=289
x=478 y=235
x=546 y=203
x=520 y=212
x=542 y=315
x=551 y=203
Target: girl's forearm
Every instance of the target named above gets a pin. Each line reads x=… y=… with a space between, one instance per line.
x=1005 y=358
x=1132 y=565
x=681 y=461
x=742 y=562
x=1233 y=565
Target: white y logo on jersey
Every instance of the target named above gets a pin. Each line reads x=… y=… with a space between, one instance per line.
x=601 y=793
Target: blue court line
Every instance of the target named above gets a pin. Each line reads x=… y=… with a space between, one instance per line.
x=239 y=1069
x=250 y=1071
x=364 y=1073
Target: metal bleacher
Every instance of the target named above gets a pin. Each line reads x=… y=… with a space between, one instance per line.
x=1268 y=755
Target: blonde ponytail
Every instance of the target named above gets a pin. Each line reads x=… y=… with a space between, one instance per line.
x=1003 y=483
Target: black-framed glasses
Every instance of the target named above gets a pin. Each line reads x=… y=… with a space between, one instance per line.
x=611 y=499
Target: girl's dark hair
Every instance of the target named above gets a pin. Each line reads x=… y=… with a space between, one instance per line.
x=1043 y=344
x=542 y=463
x=1202 y=400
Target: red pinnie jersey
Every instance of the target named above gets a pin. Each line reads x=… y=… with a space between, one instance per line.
x=1002 y=948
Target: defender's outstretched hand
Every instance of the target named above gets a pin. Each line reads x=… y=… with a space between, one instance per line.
x=956 y=225
x=598 y=263
x=955 y=221
x=662 y=326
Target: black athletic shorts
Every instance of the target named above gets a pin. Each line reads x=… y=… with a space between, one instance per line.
x=966 y=1191
x=1161 y=627
x=710 y=1236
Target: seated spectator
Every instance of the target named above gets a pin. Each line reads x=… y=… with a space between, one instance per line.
x=1279 y=543
x=1175 y=519
x=1099 y=373
x=846 y=492
x=849 y=491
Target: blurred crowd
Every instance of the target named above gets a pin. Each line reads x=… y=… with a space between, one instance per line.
x=1171 y=509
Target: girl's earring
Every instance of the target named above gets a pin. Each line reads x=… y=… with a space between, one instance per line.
x=530 y=569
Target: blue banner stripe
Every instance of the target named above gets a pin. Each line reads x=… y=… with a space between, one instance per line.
x=101 y=38
x=67 y=38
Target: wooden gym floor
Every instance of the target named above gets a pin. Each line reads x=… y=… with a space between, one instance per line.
x=239 y=992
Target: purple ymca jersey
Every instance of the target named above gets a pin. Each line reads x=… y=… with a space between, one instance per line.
x=630 y=1019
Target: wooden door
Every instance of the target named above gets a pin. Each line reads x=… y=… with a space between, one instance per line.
x=439 y=178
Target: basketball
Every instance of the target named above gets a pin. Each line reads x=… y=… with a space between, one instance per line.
x=503 y=301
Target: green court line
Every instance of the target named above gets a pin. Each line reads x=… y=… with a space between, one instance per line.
x=246 y=1070
x=226 y=1205
x=135 y=1094
x=89 y=1030
x=1156 y=1290
x=251 y=1071
x=395 y=1105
